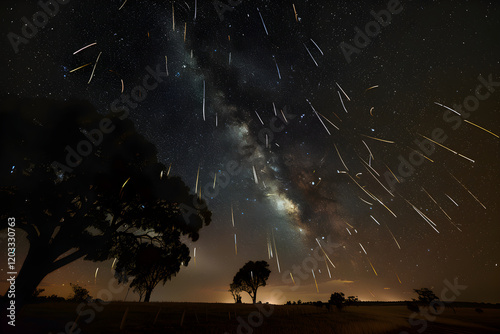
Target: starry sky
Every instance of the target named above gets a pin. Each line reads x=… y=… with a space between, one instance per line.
x=305 y=141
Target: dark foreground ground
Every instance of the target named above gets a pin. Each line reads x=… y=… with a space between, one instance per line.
x=230 y=318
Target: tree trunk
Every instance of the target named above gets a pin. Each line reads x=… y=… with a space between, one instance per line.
x=35 y=267
x=254 y=298
x=148 y=295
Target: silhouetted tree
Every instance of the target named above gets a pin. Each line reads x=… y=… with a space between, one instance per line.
x=82 y=185
x=235 y=292
x=251 y=276
x=351 y=300
x=149 y=265
x=425 y=295
x=337 y=299
x=80 y=294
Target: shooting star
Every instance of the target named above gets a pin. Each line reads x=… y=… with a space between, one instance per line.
x=262 y=21
x=88 y=46
x=203 y=99
x=295 y=12
x=340 y=157
x=370 y=88
x=382 y=140
x=276 y=252
x=466 y=121
x=92 y=75
x=316 y=113
x=468 y=191
x=76 y=69
x=451 y=199
x=277 y=68
x=232 y=214
x=197 y=178
x=374 y=219
x=327 y=268
x=235 y=245
x=326 y=255
x=456 y=112
x=463 y=156
x=260 y=119
x=255 y=175
x=315 y=282
x=373 y=267
x=122 y=5
x=317 y=46
x=397 y=243
x=343 y=91
x=342 y=101
x=314 y=60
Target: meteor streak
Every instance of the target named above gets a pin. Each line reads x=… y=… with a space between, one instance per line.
x=74 y=53
x=92 y=75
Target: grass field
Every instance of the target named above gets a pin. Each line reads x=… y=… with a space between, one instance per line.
x=221 y=318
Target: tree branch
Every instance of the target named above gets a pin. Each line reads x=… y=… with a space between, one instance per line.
x=67 y=259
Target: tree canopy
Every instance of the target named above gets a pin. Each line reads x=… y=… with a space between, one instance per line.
x=235 y=291
x=425 y=295
x=149 y=265
x=84 y=185
x=337 y=299
x=250 y=277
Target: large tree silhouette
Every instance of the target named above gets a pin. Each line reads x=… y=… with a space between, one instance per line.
x=107 y=193
x=250 y=277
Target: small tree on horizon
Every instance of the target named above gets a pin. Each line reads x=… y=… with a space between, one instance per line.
x=351 y=300
x=337 y=299
x=425 y=295
x=252 y=276
x=80 y=294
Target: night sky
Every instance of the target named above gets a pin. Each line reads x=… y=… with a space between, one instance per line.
x=258 y=59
